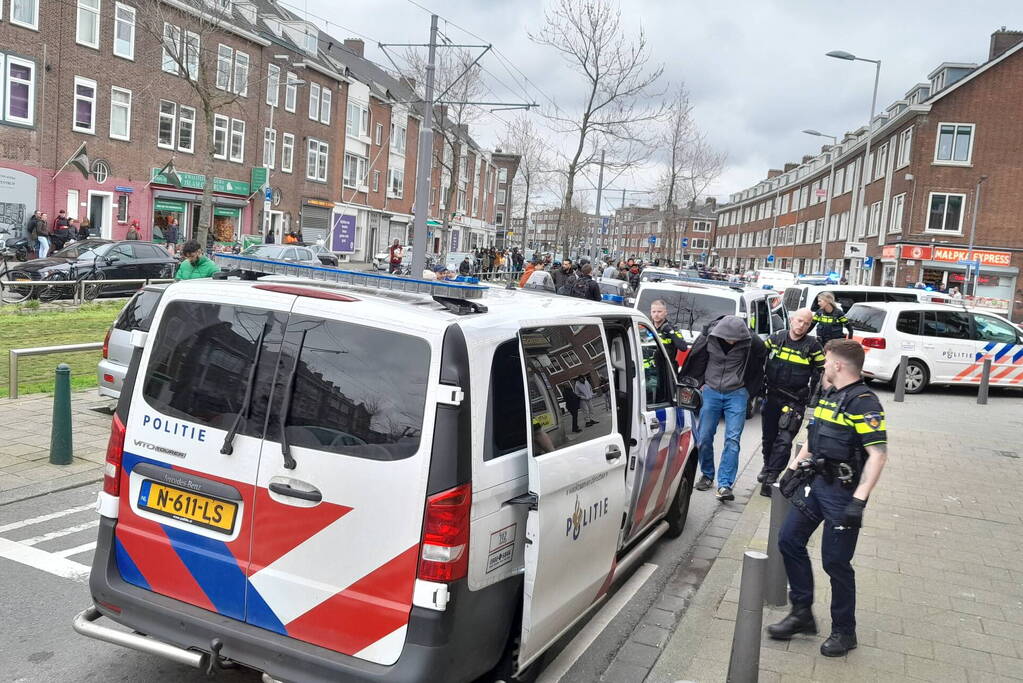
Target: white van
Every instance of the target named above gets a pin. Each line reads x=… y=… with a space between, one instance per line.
x=945 y=344
x=805 y=295
x=353 y=476
x=778 y=280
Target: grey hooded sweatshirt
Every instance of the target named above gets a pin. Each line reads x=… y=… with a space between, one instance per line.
x=726 y=363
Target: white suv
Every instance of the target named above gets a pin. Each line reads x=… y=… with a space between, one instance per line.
x=945 y=344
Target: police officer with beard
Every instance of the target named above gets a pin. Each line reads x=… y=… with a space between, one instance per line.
x=672 y=339
x=795 y=362
x=830 y=481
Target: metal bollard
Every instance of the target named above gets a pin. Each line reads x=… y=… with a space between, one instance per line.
x=744 y=664
x=900 y=379
x=60 y=434
x=985 y=381
x=776 y=592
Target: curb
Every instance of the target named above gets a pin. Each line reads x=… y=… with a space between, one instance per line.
x=44 y=488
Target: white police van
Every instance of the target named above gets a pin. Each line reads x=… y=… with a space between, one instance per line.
x=353 y=476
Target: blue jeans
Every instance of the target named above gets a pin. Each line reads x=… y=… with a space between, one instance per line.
x=732 y=406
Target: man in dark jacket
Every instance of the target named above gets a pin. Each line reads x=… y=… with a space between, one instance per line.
x=585 y=286
x=465 y=268
x=562 y=276
x=728 y=360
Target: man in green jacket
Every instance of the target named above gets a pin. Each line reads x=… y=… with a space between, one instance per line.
x=195 y=265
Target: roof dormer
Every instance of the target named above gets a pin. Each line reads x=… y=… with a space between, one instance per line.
x=948 y=73
x=247 y=10
x=305 y=35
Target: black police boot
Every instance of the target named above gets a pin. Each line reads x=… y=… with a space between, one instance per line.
x=765 y=487
x=838 y=644
x=762 y=476
x=799 y=620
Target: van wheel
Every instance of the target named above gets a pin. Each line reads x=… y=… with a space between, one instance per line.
x=917 y=377
x=678 y=513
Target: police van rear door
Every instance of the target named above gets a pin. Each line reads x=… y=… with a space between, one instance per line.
x=576 y=474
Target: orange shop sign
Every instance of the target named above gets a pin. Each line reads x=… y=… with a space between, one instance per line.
x=986 y=258
x=907 y=251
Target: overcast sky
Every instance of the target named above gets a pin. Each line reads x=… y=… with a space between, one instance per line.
x=755 y=69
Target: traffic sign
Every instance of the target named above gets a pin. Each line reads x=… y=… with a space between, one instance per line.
x=268 y=195
x=685 y=242
x=868 y=262
x=972 y=264
x=652 y=239
x=770 y=258
x=266 y=205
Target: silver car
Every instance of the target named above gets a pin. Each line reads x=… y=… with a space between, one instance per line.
x=283 y=252
x=137 y=314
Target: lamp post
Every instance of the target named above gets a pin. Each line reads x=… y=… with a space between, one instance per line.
x=973 y=270
x=862 y=207
x=831 y=191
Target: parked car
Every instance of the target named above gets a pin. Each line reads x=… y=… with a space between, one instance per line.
x=99 y=259
x=283 y=252
x=771 y=278
x=615 y=291
x=945 y=344
x=137 y=314
x=326 y=256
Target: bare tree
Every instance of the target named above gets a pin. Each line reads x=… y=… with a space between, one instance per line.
x=613 y=66
x=187 y=40
x=523 y=138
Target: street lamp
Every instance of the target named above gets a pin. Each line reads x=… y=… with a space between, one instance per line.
x=861 y=210
x=831 y=191
x=974 y=268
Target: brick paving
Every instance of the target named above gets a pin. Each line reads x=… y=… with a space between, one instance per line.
x=939 y=563
x=25 y=469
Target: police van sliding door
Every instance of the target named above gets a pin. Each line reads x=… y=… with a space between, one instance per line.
x=576 y=472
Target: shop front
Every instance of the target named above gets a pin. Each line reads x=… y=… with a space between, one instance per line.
x=314 y=224
x=182 y=205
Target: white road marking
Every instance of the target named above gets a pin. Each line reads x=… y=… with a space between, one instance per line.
x=36 y=540
x=596 y=625
x=40 y=559
x=45 y=518
x=85 y=547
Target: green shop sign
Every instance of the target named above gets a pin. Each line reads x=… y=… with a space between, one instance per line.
x=196 y=181
x=170 y=206
x=258 y=176
x=227 y=212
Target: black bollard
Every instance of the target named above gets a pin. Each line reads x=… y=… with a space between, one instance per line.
x=776 y=592
x=744 y=663
x=985 y=381
x=900 y=380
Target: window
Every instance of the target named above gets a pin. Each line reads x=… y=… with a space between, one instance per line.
x=949 y=324
x=314 y=101
x=946 y=212
x=124 y=31
x=233 y=72
x=168 y=120
x=398 y=134
x=850 y=175
x=220 y=126
x=171 y=48
x=120 y=113
x=269 y=147
x=87 y=30
x=701 y=226
x=895 y=220
x=325 y=99
x=499 y=219
x=905 y=146
x=237 y=141
x=376 y=181
x=316 y=161
x=25 y=13
x=395 y=183
x=287 y=152
x=955 y=143
x=378 y=134
x=273 y=84
x=874 y=221
x=241 y=74
x=839 y=180
x=357 y=124
x=993 y=330
x=85 y=106
x=880 y=161
x=502 y=175
x=501 y=196
x=186 y=129
x=192 y=55
x=908 y=322
x=291 y=92
x=571 y=359
x=225 y=56
x=506 y=404
x=122 y=209
x=18 y=94
x=355 y=170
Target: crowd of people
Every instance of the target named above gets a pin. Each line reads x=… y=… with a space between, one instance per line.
x=44 y=236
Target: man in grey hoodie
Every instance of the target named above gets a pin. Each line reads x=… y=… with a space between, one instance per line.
x=728 y=360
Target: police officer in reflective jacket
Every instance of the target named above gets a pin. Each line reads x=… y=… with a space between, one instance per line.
x=829 y=319
x=671 y=338
x=795 y=362
x=830 y=481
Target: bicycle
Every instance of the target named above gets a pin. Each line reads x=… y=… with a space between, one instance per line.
x=67 y=290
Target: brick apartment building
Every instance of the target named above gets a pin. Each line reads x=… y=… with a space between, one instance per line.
x=633 y=227
x=548 y=230
x=929 y=153
x=331 y=135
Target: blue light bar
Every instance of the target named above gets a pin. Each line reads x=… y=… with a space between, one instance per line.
x=394 y=283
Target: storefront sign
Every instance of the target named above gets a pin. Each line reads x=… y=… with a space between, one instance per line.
x=986 y=258
x=125 y=190
x=913 y=251
x=227 y=212
x=168 y=205
x=454 y=240
x=343 y=234
x=258 y=177
x=17 y=199
x=320 y=203
x=196 y=181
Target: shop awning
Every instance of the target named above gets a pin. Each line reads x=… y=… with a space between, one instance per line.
x=197 y=196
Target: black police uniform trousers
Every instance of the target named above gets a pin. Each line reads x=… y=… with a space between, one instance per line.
x=826 y=502
x=777 y=442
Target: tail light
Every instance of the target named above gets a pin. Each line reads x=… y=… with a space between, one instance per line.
x=115 y=452
x=873 y=342
x=106 y=343
x=445 y=550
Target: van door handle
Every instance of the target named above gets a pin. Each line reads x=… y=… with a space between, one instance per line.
x=612 y=453
x=655 y=424
x=313 y=496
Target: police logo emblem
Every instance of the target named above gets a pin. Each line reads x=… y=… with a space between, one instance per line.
x=873 y=420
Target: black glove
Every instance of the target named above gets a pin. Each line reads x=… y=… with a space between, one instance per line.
x=790 y=482
x=854 y=513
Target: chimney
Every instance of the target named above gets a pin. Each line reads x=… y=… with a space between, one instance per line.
x=789 y=166
x=355 y=45
x=1002 y=41
x=774 y=173
x=712 y=202
x=410 y=82
x=807 y=157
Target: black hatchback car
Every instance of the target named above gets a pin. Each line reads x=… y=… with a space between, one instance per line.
x=98 y=259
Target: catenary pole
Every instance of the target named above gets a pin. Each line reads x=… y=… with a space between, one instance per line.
x=595 y=252
x=425 y=165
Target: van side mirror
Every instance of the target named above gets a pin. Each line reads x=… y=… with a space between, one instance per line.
x=690 y=397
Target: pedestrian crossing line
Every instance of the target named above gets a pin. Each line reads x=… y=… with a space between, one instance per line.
x=45 y=518
x=40 y=559
x=85 y=547
x=36 y=540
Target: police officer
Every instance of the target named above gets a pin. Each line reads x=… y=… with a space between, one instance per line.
x=847 y=448
x=671 y=338
x=829 y=319
x=795 y=362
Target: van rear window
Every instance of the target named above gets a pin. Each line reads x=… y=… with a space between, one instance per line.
x=866 y=318
x=688 y=311
x=138 y=313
